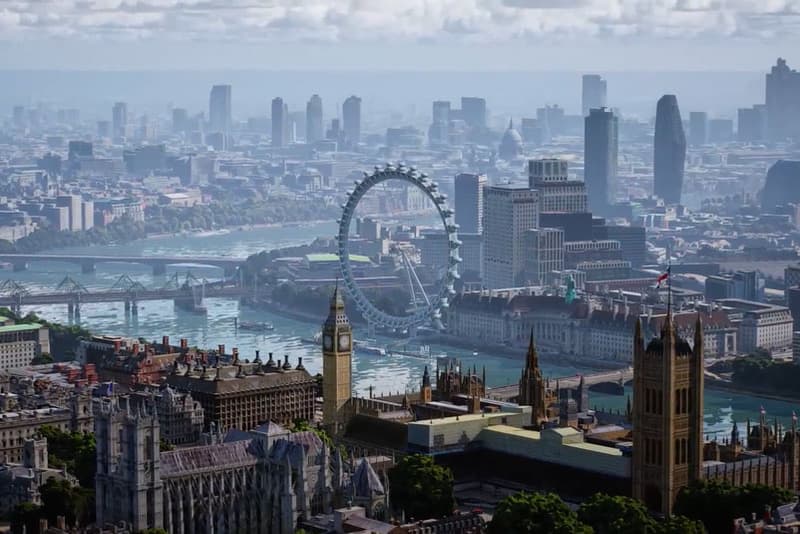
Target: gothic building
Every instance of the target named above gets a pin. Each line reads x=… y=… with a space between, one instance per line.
x=453 y=380
x=337 y=341
x=262 y=481
x=667 y=415
x=532 y=389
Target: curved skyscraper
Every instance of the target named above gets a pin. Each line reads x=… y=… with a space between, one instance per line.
x=669 y=151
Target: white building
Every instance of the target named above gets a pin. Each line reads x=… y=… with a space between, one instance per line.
x=508 y=213
x=760 y=325
x=544 y=253
x=21 y=343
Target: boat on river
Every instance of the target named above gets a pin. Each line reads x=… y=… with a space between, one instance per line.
x=256 y=326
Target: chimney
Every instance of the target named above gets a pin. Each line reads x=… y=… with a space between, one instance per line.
x=235 y=352
x=184 y=344
x=165 y=342
x=221 y=349
x=61 y=523
x=135 y=349
x=117 y=345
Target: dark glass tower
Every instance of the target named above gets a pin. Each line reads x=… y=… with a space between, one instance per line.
x=669 y=150
x=600 y=157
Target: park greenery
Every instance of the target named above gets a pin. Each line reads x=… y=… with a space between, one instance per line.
x=717 y=503
x=759 y=372
x=420 y=488
x=74 y=451
x=59 y=498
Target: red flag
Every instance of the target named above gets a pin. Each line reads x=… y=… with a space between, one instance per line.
x=664 y=276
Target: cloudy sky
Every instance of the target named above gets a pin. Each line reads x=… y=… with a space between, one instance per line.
x=426 y=34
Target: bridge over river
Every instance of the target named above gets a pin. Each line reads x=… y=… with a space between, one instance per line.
x=511 y=391
x=89 y=263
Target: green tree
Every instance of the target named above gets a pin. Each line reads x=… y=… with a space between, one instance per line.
x=75 y=451
x=75 y=504
x=164 y=445
x=532 y=513
x=608 y=514
x=716 y=503
x=154 y=531
x=25 y=517
x=43 y=358
x=678 y=524
x=421 y=488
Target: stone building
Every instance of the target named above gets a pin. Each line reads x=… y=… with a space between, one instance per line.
x=19 y=482
x=180 y=417
x=246 y=394
x=262 y=481
x=21 y=343
x=667 y=415
x=337 y=342
x=532 y=389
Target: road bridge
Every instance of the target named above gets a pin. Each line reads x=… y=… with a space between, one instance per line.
x=89 y=262
x=511 y=391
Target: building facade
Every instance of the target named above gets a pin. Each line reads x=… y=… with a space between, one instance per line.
x=351 y=121
x=469 y=202
x=667 y=415
x=669 y=153
x=544 y=253
x=508 y=213
x=601 y=147
x=337 y=346
x=21 y=343
x=557 y=193
x=593 y=95
x=219 y=109
x=314 y=128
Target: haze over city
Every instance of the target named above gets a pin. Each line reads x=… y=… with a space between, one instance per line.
x=425 y=266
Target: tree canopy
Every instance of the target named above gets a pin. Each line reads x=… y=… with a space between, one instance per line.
x=532 y=513
x=421 y=488
x=615 y=514
x=73 y=450
x=717 y=503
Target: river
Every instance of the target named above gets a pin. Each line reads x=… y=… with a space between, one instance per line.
x=395 y=374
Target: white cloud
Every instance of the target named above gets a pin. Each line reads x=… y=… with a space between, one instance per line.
x=397 y=20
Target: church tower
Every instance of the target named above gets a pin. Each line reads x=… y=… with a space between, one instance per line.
x=425 y=392
x=532 y=386
x=337 y=342
x=667 y=415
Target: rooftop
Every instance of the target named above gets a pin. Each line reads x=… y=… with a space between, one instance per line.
x=19 y=328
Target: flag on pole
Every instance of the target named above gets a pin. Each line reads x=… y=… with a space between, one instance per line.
x=794 y=417
x=763 y=411
x=663 y=277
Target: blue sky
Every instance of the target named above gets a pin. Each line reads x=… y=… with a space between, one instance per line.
x=409 y=34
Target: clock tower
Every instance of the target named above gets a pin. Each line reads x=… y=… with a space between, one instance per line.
x=337 y=346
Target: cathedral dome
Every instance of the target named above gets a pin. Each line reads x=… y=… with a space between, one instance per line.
x=511 y=145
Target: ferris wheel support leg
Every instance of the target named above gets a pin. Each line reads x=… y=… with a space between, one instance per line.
x=370 y=329
x=412 y=331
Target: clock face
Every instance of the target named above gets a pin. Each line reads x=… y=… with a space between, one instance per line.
x=344 y=341
x=327 y=342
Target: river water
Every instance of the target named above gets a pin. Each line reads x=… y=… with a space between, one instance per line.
x=395 y=374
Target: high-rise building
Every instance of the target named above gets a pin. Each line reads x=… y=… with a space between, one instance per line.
x=557 y=193
x=351 y=121
x=469 y=202
x=551 y=119
x=473 y=111
x=508 y=213
x=594 y=93
x=601 y=144
x=783 y=102
x=19 y=116
x=439 y=131
x=119 y=119
x=698 y=128
x=73 y=205
x=280 y=122
x=314 y=129
x=669 y=152
x=219 y=109
x=544 y=253
x=667 y=415
x=337 y=345
x=180 y=120
x=752 y=124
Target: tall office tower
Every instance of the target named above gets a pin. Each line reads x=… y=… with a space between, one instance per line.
x=180 y=120
x=439 y=131
x=669 y=152
x=783 y=102
x=473 y=111
x=469 y=202
x=103 y=128
x=667 y=415
x=698 y=128
x=600 y=148
x=594 y=93
x=351 y=121
x=508 y=212
x=752 y=124
x=314 y=129
x=557 y=193
x=19 y=116
x=544 y=253
x=219 y=109
x=119 y=119
x=551 y=119
x=280 y=122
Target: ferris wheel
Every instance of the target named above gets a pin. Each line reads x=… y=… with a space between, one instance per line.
x=423 y=308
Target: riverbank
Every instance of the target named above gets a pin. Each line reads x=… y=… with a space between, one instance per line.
x=722 y=385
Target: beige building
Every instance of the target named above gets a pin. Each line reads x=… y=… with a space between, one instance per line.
x=509 y=212
x=21 y=343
